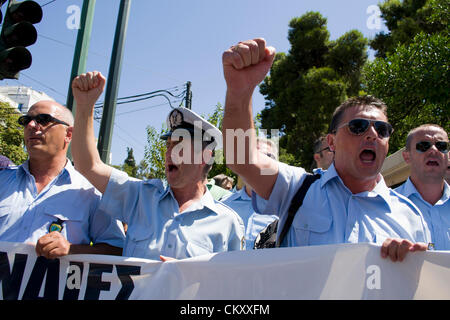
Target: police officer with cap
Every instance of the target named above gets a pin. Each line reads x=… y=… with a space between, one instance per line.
x=179 y=221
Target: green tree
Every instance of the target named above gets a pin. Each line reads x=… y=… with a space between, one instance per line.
x=129 y=165
x=219 y=165
x=153 y=166
x=413 y=78
x=308 y=83
x=11 y=134
x=405 y=19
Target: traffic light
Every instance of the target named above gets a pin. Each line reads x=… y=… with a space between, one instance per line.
x=17 y=33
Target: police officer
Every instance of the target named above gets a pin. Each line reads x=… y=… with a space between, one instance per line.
x=323 y=156
x=45 y=201
x=426 y=152
x=178 y=221
x=350 y=203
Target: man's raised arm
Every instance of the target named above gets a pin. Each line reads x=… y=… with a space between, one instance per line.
x=86 y=89
x=245 y=65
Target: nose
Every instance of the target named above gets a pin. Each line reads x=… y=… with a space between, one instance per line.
x=32 y=123
x=371 y=133
x=433 y=149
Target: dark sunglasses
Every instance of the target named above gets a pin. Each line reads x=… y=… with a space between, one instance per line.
x=270 y=155
x=423 y=146
x=360 y=126
x=43 y=119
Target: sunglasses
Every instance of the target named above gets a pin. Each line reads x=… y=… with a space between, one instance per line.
x=423 y=146
x=326 y=148
x=360 y=126
x=43 y=119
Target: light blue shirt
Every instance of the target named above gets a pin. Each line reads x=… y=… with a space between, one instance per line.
x=332 y=214
x=254 y=223
x=25 y=215
x=156 y=226
x=436 y=216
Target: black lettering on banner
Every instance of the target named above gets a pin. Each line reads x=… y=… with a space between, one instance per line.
x=41 y=267
x=12 y=280
x=124 y=273
x=73 y=293
x=94 y=280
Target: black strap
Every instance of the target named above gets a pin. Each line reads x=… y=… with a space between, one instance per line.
x=296 y=203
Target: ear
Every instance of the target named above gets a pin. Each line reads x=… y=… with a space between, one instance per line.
x=406 y=156
x=331 y=141
x=207 y=156
x=316 y=157
x=69 y=133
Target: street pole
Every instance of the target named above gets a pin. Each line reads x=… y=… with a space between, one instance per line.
x=81 y=48
x=112 y=85
x=188 y=95
x=81 y=52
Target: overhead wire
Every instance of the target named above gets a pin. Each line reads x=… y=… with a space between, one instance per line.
x=47 y=3
x=140 y=97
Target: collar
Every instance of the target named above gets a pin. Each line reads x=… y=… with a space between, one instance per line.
x=328 y=175
x=239 y=194
x=409 y=189
x=68 y=170
x=206 y=200
x=446 y=194
x=380 y=189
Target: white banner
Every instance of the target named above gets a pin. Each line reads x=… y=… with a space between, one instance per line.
x=348 y=271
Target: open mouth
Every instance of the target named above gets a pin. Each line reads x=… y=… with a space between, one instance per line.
x=172 y=168
x=34 y=139
x=367 y=156
x=432 y=163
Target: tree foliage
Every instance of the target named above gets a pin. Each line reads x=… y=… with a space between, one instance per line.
x=11 y=134
x=413 y=77
x=308 y=83
x=405 y=19
x=152 y=166
x=129 y=165
x=219 y=166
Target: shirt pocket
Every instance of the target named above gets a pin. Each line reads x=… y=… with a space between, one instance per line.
x=71 y=222
x=138 y=243
x=312 y=229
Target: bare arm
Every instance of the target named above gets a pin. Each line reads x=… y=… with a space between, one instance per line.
x=245 y=65
x=86 y=89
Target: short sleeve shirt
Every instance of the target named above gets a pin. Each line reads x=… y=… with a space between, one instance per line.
x=254 y=222
x=68 y=199
x=332 y=214
x=156 y=227
x=437 y=216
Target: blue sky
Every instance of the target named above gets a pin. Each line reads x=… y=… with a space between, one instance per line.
x=168 y=43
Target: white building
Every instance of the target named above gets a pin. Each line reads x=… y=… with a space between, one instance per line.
x=21 y=97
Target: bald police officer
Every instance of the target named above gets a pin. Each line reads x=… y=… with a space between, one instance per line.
x=45 y=201
x=179 y=221
x=427 y=149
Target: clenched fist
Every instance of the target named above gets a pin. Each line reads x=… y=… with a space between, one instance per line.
x=87 y=88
